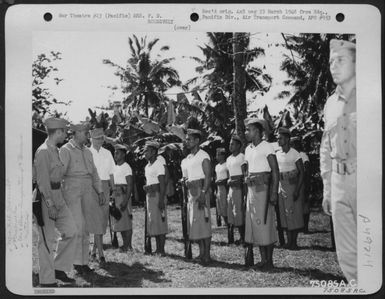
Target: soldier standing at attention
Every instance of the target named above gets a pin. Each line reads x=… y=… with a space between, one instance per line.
x=338 y=155
x=291 y=178
x=222 y=175
x=156 y=196
x=304 y=192
x=236 y=197
x=198 y=170
x=48 y=171
x=81 y=189
x=123 y=182
x=104 y=163
x=262 y=180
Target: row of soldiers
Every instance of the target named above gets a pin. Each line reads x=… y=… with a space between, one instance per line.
x=254 y=180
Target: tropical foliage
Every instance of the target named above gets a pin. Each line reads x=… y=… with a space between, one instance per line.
x=43 y=69
x=144 y=79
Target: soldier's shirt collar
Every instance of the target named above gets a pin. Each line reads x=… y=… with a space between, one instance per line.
x=342 y=97
x=74 y=144
x=51 y=146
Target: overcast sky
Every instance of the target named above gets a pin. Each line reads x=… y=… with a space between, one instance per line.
x=86 y=78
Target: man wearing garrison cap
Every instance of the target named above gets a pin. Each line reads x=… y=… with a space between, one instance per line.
x=235 y=198
x=222 y=175
x=105 y=164
x=338 y=155
x=48 y=172
x=197 y=167
x=262 y=176
x=82 y=188
x=155 y=196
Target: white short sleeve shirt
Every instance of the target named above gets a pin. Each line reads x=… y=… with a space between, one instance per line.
x=286 y=161
x=234 y=164
x=221 y=171
x=162 y=159
x=194 y=165
x=183 y=167
x=152 y=171
x=256 y=156
x=104 y=162
x=120 y=172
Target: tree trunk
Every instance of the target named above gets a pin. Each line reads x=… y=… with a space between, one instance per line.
x=239 y=81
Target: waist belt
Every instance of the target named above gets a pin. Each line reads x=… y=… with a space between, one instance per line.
x=288 y=175
x=151 y=189
x=121 y=189
x=55 y=185
x=236 y=181
x=344 y=167
x=258 y=179
x=195 y=184
x=221 y=182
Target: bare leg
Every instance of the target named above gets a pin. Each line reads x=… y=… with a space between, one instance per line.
x=129 y=239
x=206 y=246
x=262 y=250
x=162 y=240
x=98 y=240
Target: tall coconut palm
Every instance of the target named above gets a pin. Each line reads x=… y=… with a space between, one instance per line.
x=215 y=73
x=144 y=79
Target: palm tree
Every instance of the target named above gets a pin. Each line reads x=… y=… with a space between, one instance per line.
x=216 y=73
x=145 y=79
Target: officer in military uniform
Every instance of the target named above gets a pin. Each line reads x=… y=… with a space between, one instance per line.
x=262 y=177
x=48 y=172
x=338 y=155
x=81 y=188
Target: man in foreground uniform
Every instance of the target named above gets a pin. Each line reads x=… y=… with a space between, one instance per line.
x=262 y=181
x=48 y=171
x=81 y=189
x=291 y=178
x=155 y=196
x=236 y=193
x=338 y=155
x=197 y=166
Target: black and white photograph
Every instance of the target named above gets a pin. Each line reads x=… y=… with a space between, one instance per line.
x=216 y=159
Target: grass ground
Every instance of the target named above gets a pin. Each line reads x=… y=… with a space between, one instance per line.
x=314 y=260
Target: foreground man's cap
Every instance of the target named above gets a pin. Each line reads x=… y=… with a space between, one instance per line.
x=55 y=123
x=82 y=126
x=97 y=133
x=338 y=44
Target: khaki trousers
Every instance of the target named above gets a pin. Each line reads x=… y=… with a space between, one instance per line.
x=76 y=192
x=64 y=247
x=344 y=213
